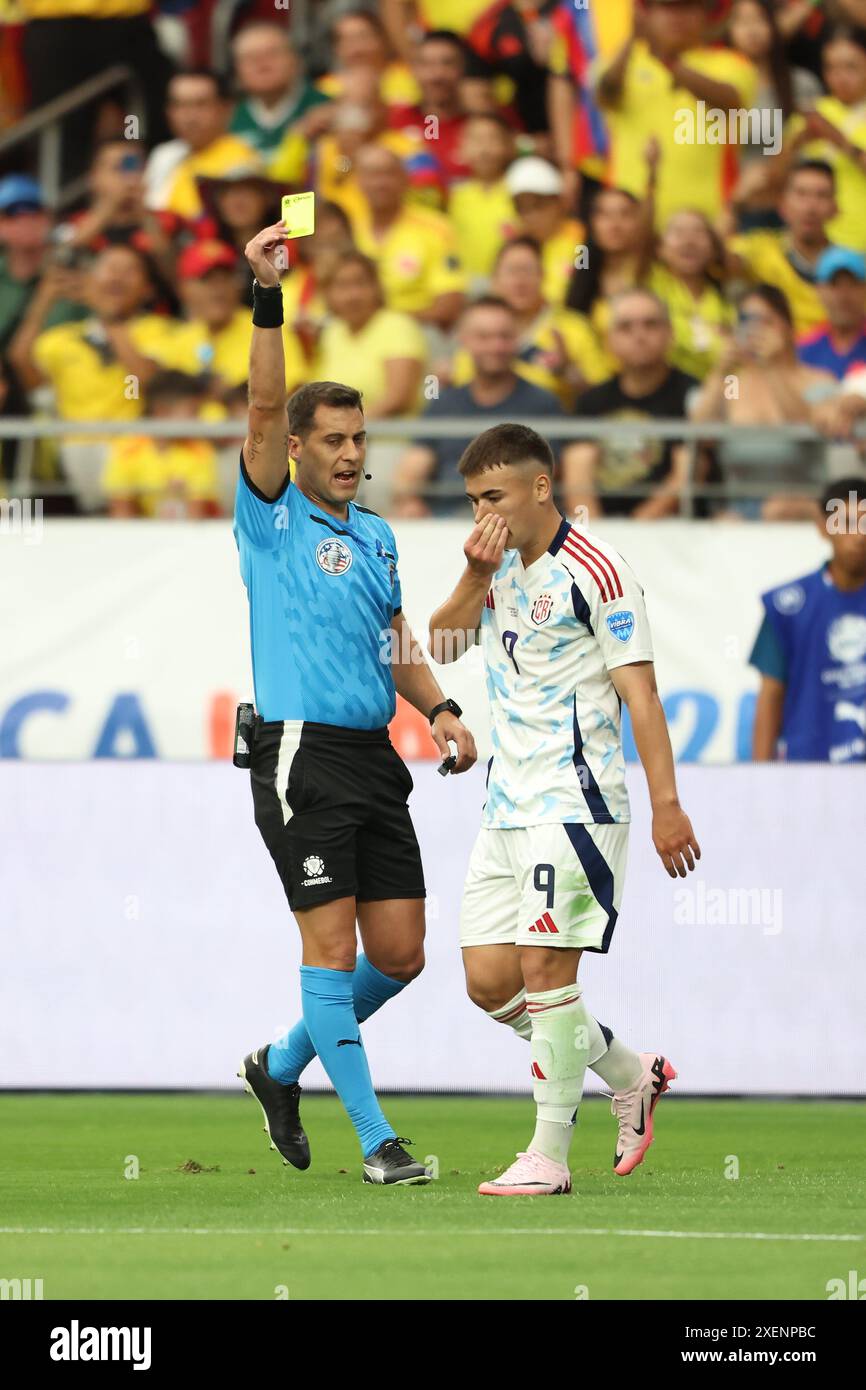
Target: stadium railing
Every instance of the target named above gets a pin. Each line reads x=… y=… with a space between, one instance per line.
x=28 y=430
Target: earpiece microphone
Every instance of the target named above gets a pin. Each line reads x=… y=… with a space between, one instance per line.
x=369 y=477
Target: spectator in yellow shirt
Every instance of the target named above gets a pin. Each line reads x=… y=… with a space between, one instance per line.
x=839 y=123
x=99 y=366
x=380 y=351
x=688 y=277
x=216 y=340
x=536 y=188
x=164 y=477
x=198 y=113
x=481 y=207
x=556 y=348
x=415 y=250
x=666 y=82
x=789 y=259
x=358 y=117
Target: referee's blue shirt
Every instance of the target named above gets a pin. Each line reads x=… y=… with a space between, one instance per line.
x=322 y=595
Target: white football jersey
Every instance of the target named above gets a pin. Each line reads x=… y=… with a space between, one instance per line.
x=550 y=635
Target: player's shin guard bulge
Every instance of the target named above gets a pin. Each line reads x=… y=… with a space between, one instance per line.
x=560 y=1049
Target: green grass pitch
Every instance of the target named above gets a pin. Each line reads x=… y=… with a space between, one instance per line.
x=245 y=1227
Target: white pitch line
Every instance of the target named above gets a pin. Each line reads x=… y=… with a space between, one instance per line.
x=403 y=1233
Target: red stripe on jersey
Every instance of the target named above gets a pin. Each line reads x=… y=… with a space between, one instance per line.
x=550 y=922
x=582 y=560
x=488 y=602
x=604 y=562
x=539 y=926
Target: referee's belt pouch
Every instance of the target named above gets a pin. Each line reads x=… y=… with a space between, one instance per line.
x=245 y=733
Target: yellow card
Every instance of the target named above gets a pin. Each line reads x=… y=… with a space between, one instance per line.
x=299 y=214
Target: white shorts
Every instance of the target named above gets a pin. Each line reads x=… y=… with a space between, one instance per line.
x=547 y=885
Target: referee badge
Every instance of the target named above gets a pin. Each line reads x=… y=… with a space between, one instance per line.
x=333 y=556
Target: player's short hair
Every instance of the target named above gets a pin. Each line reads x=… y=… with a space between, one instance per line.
x=504 y=445
x=303 y=403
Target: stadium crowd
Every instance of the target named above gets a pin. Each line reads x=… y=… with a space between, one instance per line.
x=620 y=211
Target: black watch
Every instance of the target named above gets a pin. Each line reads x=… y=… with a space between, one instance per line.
x=450 y=705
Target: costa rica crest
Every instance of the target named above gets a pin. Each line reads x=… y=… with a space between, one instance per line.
x=542 y=609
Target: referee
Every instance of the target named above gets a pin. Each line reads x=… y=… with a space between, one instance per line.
x=330 y=647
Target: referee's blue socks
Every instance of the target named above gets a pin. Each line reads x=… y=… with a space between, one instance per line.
x=329 y=1013
x=370 y=990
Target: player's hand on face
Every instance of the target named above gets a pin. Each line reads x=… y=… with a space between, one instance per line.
x=266 y=254
x=447 y=728
x=675 y=841
x=486 y=545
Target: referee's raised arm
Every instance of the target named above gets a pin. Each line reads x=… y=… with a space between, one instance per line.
x=266 y=447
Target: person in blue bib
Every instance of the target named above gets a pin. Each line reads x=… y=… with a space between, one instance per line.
x=331 y=649
x=811 y=647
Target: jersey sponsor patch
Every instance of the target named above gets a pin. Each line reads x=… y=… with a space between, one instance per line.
x=542 y=609
x=333 y=556
x=620 y=625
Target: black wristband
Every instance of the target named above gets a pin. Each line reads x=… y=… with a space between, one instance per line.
x=267 y=305
x=450 y=705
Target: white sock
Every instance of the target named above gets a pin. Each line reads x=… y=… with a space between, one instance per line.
x=619 y=1068
x=617 y=1065
x=514 y=1014
x=560 y=1048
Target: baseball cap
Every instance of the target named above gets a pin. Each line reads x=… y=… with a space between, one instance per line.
x=18 y=190
x=531 y=174
x=837 y=258
x=204 y=256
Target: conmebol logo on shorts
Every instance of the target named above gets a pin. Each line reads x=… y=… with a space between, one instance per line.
x=77 y=1343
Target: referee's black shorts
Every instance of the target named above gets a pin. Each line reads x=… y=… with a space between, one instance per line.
x=331 y=806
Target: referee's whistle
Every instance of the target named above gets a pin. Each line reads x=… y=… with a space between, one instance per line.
x=448 y=765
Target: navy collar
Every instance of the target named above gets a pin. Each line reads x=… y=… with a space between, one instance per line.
x=556 y=543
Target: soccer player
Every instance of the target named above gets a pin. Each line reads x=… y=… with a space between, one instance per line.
x=564 y=633
x=330 y=646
